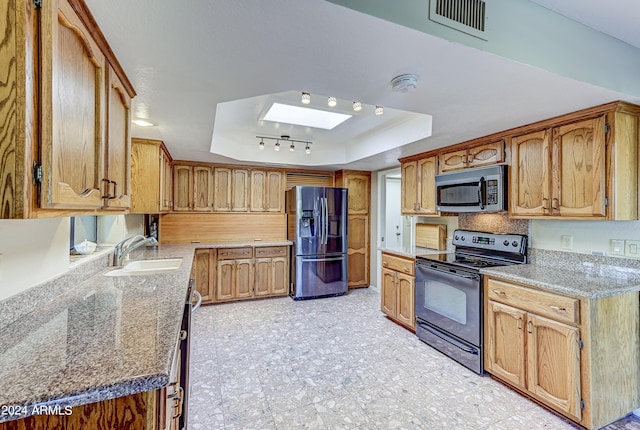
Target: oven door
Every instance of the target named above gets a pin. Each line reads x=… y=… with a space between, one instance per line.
x=450 y=299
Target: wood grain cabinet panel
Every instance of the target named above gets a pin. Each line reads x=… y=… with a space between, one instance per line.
x=151 y=177
x=530 y=176
x=72 y=112
x=486 y=154
x=563 y=358
x=358 y=185
x=398 y=290
x=453 y=160
x=205 y=273
x=266 y=191
x=222 y=189
x=418 y=186
x=192 y=188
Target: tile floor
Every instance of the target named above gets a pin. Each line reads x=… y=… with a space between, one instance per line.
x=339 y=363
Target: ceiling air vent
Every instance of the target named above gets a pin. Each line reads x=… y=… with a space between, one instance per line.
x=468 y=16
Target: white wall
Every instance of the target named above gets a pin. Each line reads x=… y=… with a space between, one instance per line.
x=587 y=235
x=393 y=218
x=32 y=251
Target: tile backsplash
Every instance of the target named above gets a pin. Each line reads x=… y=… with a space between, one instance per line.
x=493 y=223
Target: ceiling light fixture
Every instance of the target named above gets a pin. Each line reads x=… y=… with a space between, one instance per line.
x=357 y=106
x=285 y=138
x=332 y=102
x=379 y=110
x=143 y=122
x=306 y=98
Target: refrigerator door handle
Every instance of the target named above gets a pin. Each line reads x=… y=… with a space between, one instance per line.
x=326 y=221
x=322 y=259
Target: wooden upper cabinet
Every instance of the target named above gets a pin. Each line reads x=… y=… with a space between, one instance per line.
x=266 y=191
x=453 y=160
x=418 y=187
x=358 y=186
x=560 y=171
x=232 y=189
x=145 y=172
x=240 y=184
x=72 y=112
x=474 y=156
x=166 y=181
x=221 y=189
x=578 y=188
x=529 y=192
x=182 y=187
x=202 y=188
x=118 y=166
x=409 y=187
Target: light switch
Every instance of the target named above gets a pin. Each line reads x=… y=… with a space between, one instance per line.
x=616 y=247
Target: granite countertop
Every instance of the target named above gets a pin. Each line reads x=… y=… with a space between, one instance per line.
x=103 y=338
x=409 y=251
x=590 y=282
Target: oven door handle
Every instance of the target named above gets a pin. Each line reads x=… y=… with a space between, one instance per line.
x=448 y=340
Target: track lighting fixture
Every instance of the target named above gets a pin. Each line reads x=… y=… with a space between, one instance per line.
x=379 y=110
x=306 y=98
x=332 y=102
x=357 y=106
x=285 y=138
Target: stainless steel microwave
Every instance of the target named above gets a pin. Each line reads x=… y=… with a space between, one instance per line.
x=483 y=189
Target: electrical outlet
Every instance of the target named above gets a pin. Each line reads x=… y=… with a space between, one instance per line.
x=632 y=248
x=616 y=247
x=566 y=242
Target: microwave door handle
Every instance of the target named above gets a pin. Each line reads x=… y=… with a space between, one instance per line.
x=481 y=203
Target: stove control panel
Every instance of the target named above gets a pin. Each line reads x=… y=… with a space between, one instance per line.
x=515 y=243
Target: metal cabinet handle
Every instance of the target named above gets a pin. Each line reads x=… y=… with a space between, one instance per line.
x=500 y=293
x=198 y=302
x=557 y=308
x=554 y=203
x=179 y=397
x=545 y=203
x=530 y=327
x=115 y=189
x=520 y=323
x=385 y=264
x=406 y=269
x=107 y=195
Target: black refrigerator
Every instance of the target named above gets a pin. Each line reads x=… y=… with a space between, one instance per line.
x=317 y=225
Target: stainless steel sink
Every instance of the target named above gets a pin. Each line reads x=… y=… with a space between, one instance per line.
x=147 y=267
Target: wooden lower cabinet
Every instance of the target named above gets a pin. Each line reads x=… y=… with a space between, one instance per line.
x=227 y=274
x=398 y=291
x=560 y=350
x=358 y=251
x=140 y=411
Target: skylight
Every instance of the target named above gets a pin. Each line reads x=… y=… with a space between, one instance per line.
x=304 y=116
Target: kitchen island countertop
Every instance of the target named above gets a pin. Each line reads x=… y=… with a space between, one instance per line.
x=103 y=338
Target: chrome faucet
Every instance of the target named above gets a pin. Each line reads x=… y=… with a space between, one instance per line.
x=123 y=248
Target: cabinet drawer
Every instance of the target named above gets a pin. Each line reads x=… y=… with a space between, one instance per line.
x=557 y=307
x=398 y=264
x=235 y=253
x=271 y=251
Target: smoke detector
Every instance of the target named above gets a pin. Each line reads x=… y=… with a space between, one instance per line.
x=404 y=83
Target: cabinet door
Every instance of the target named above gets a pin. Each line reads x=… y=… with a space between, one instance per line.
x=205 y=265
x=202 y=189
x=118 y=165
x=225 y=280
x=166 y=182
x=405 y=302
x=144 y=170
x=553 y=368
x=258 y=199
x=454 y=160
x=482 y=155
x=578 y=188
x=358 y=250
x=240 y=190
x=263 y=277
x=280 y=276
x=72 y=111
x=358 y=186
x=183 y=188
x=409 y=187
x=504 y=343
x=530 y=174
x=274 y=192
x=244 y=278
x=388 y=294
x=222 y=189
x=427 y=169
